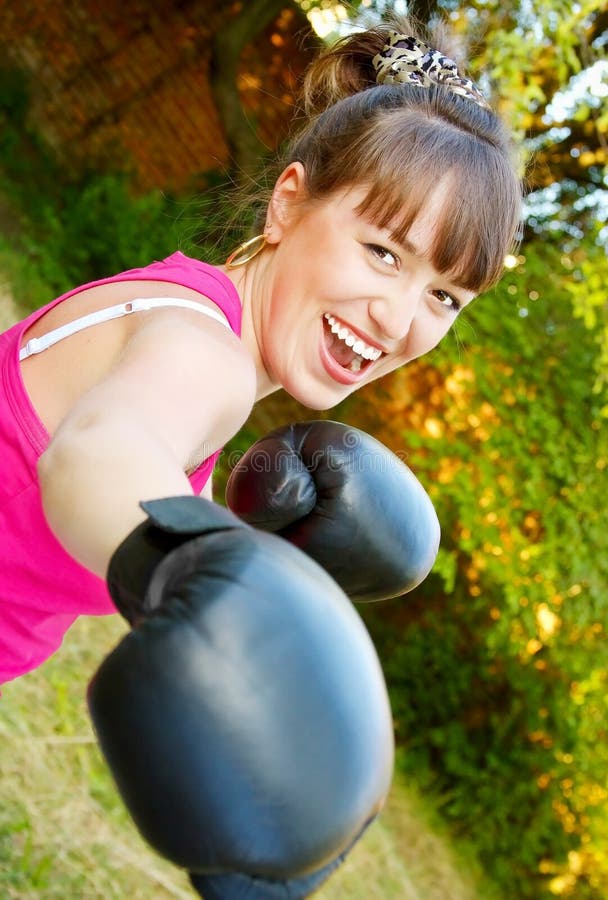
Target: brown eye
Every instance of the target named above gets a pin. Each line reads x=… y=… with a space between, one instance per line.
x=448 y=300
x=384 y=255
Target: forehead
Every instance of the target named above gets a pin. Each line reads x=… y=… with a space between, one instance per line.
x=418 y=225
x=443 y=214
x=367 y=202
x=421 y=224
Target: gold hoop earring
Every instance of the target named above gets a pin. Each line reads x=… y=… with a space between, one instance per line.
x=246 y=251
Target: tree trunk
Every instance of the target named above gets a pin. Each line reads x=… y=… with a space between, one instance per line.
x=246 y=149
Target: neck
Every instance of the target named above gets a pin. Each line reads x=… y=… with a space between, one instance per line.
x=252 y=283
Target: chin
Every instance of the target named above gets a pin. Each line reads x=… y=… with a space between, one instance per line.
x=322 y=407
x=317 y=395
x=313 y=405
x=314 y=400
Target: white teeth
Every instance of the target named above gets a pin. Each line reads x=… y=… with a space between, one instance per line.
x=355 y=365
x=359 y=346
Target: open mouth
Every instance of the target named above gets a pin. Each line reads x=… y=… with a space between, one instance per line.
x=347 y=348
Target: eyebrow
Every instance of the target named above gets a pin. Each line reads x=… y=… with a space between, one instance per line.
x=409 y=246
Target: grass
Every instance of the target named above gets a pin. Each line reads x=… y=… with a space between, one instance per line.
x=64 y=832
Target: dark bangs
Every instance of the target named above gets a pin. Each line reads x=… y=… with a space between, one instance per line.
x=404 y=160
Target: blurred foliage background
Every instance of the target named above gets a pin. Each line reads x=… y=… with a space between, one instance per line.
x=497 y=665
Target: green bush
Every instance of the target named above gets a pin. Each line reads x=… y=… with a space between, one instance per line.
x=498 y=663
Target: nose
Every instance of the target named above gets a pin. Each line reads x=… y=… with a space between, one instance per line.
x=394 y=314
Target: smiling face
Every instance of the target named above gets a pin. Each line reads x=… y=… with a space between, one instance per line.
x=342 y=302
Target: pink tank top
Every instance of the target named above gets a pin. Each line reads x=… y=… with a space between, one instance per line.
x=42 y=589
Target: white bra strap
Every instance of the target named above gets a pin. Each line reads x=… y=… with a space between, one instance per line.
x=141 y=304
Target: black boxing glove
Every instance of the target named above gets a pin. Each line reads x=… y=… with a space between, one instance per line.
x=343 y=498
x=245 y=717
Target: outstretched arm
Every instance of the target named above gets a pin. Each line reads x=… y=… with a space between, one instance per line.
x=245 y=717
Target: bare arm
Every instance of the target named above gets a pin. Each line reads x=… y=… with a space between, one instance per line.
x=178 y=391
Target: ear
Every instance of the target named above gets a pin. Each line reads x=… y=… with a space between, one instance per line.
x=289 y=190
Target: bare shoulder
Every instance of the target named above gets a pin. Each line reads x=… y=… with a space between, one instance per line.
x=186 y=373
x=59 y=377
x=189 y=376
x=183 y=379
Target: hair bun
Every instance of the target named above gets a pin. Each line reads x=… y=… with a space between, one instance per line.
x=346 y=68
x=342 y=70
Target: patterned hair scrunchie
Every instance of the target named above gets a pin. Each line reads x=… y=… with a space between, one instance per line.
x=406 y=60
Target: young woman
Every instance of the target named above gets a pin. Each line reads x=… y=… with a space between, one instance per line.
x=393 y=207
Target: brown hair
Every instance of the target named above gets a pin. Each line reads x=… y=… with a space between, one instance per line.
x=401 y=141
